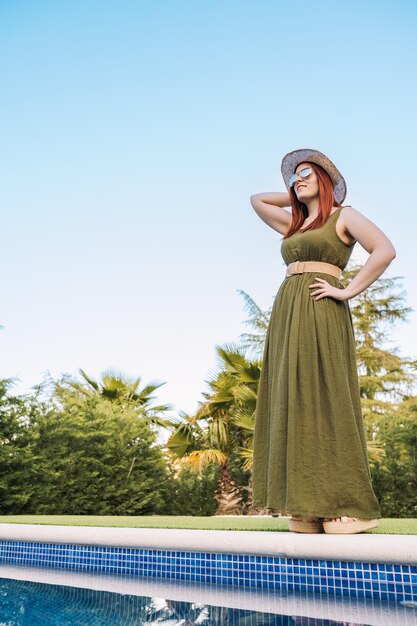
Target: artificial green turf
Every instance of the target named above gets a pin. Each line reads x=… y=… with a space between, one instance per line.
x=387 y=526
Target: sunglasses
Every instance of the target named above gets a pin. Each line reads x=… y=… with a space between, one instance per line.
x=304 y=173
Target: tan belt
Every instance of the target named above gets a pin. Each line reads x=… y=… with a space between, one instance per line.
x=298 y=267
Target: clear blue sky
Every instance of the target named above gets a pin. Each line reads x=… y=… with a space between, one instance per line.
x=132 y=135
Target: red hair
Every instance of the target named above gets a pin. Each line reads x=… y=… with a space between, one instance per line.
x=327 y=201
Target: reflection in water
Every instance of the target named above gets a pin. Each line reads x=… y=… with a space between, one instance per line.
x=25 y=603
x=312 y=621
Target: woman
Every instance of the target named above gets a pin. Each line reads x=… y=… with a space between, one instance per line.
x=310 y=456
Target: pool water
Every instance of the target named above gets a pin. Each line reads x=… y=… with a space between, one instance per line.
x=33 y=603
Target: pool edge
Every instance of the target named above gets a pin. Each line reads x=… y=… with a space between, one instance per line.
x=362 y=547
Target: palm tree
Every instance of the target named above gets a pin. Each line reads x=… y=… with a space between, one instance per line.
x=120 y=390
x=222 y=426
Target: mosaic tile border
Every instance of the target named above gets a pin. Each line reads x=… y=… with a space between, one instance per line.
x=379 y=581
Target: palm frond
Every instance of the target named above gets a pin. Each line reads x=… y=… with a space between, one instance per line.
x=199 y=459
x=247 y=455
x=245 y=421
x=93 y=384
x=183 y=439
x=375 y=452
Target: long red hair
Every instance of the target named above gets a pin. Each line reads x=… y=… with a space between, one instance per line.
x=327 y=201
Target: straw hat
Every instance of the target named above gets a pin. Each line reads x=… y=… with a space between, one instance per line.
x=292 y=159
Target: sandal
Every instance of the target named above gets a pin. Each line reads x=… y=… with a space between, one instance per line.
x=298 y=524
x=348 y=525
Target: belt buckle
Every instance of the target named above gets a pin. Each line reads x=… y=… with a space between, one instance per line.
x=298 y=269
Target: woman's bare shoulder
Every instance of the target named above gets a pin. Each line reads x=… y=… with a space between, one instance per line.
x=364 y=230
x=342 y=228
x=349 y=213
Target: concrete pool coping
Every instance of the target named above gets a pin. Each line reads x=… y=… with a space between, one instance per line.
x=363 y=547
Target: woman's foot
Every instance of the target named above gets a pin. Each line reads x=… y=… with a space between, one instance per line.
x=299 y=524
x=348 y=525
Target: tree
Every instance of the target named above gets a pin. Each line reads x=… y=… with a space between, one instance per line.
x=120 y=390
x=395 y=474
x=385 y=377
x=258 y=320
x=94 y=449
x=91 y=456
x=214 y=434
x=191 y=492
x=15 y=451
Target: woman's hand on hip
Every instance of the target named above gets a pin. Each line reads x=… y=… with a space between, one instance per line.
x=325 y=290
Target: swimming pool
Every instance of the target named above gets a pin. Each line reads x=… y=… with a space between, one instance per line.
x=31 y=596
x=369 y=570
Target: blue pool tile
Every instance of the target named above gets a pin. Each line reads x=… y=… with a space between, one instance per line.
x=339 y=578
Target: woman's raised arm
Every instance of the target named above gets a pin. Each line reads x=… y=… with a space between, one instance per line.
x=270 y=208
